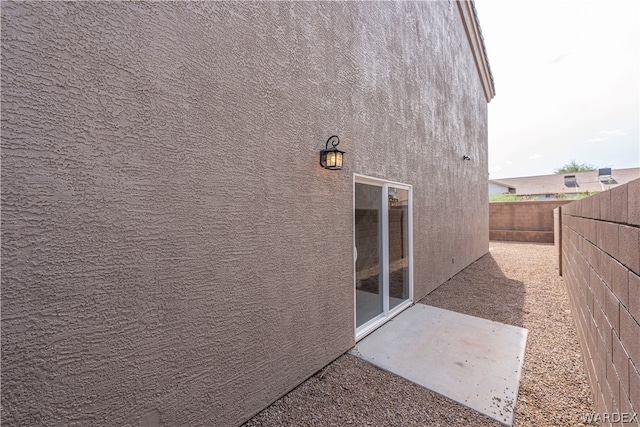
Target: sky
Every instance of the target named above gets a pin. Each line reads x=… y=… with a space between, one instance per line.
x=567 y=84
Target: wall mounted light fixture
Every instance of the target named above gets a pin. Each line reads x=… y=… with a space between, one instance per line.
x=332 y=158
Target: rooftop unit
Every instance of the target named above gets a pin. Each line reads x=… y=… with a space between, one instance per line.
x=604 y=174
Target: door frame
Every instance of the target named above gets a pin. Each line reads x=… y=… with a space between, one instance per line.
x=386 y=314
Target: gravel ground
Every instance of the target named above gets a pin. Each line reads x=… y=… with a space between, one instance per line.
x=516 y=284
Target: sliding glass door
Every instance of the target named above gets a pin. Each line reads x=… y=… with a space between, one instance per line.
x=398 y=221
x=368 y=220
x=383 y=269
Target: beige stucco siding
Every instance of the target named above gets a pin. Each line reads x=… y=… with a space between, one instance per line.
x=165 y=244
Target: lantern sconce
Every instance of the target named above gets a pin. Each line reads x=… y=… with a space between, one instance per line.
x=332 y=158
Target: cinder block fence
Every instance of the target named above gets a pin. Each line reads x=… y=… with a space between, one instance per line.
x=600 y=255
x=526 y=221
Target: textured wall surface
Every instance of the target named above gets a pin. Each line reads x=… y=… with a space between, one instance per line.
x=601 y=266
x=164 y=251
x=523 y=221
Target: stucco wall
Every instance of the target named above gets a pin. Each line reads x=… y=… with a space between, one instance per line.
x=601 y=266
x=523 y=221
x=164 y=248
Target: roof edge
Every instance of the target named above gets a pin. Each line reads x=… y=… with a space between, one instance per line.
x=476 y=42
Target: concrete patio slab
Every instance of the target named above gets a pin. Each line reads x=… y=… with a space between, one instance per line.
x=473 y=361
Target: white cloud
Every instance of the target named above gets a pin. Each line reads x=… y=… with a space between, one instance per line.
x=605 y=135
x=596 y=139
x=612 y=133
x=559 y=58
x=535 y=156
x=509 y=162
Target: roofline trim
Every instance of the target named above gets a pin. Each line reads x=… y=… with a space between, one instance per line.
x=476 y=42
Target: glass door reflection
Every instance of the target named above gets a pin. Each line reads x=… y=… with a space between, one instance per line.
x=368 y=231
x=398 y=228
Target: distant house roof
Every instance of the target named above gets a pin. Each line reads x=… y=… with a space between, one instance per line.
x=578 y=182
x=496 y=187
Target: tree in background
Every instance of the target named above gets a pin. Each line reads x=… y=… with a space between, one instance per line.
x=574 y=166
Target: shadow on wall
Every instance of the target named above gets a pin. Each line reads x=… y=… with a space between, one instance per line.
x=495 y=296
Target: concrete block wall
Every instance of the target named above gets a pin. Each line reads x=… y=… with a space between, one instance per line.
x=601 y=267
x=397 y=238
x=530 y=221
x=367 y=237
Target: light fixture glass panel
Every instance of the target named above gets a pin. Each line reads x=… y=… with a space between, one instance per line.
x=331 y=159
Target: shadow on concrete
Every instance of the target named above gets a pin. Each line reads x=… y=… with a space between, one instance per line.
x=482 y=290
